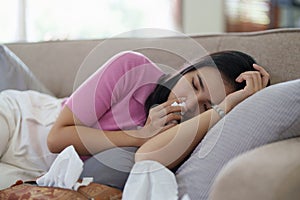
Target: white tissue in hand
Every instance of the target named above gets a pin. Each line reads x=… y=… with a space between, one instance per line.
x=179 y=104
x=65 y=170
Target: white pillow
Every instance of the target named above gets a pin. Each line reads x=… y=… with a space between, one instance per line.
x=268 y=116
x=14 y=74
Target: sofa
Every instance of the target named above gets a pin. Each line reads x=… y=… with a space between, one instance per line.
x=269 y=171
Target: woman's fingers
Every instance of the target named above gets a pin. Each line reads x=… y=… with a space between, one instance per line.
x=260 y=77
x=255 y=81
x=167 y=108
x=171 y=118
x=264 y=74
x=252 y=78
x=164 y=116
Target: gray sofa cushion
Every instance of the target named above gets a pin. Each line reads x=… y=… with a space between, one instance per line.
x=270 y=115
x=14 y=74
x=110 y=167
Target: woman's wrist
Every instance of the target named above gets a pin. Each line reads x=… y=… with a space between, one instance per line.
x=141 y=136
x=231 y=101
x=219 y=110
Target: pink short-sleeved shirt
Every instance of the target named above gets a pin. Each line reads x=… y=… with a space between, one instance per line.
x=113 y=97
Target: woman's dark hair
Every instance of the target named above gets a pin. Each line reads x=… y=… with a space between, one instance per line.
x=230 y=64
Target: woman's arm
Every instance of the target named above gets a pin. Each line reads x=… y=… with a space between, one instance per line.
x=68 y=130
x=172 y=146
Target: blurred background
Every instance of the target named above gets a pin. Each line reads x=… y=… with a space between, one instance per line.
x=45 y=20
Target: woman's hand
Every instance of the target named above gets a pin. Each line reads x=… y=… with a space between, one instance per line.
x=255 y=81
x=161 y=118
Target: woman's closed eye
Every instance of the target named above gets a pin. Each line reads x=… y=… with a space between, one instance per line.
x=198 y=83
x=194 y=84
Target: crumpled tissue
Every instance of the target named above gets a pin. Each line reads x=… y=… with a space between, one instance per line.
x=150 y=180
x=65 y=170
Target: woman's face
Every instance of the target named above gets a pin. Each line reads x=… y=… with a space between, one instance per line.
x=200 y=88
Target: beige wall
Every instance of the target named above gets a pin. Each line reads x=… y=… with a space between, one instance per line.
x=203 y=16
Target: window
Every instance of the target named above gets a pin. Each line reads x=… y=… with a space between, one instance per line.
x=255 y=15
x=246 y=15
x=35 y=20
x=8 y=20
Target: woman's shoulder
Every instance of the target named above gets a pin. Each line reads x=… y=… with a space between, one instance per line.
x=130 y=56
x=132 y=61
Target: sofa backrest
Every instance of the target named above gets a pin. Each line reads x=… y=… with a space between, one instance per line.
x=63 y=65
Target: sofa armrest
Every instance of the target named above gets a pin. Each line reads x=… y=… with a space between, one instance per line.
x=268 y=172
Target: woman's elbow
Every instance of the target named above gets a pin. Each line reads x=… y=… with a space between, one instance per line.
x=139 y=156
x=52 y=142
x=142 y=154
x=165 y=157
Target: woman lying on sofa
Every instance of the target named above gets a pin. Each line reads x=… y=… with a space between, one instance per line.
x=128 y=102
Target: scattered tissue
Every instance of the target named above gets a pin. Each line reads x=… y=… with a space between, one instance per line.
x=65 y=170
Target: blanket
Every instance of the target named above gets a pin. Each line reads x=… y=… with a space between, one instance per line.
x=25 y=120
